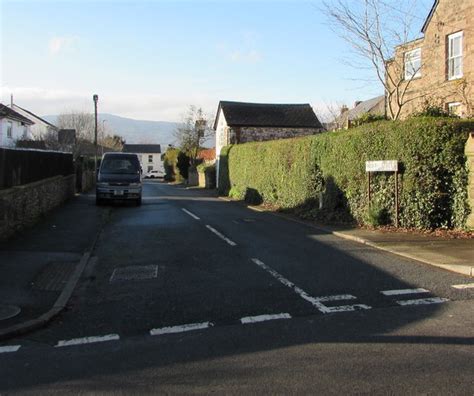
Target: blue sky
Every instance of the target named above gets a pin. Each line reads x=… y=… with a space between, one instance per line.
x=150 y=59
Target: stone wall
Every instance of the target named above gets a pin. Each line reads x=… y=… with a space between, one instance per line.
x=22 y=206
x=451 y=16
x=259 y=134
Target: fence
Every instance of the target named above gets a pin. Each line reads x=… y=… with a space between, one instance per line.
x=22 y=166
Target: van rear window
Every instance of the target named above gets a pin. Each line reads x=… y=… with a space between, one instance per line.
x=120 y=164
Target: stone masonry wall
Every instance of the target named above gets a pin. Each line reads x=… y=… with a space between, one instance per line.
x=258 y=134
x=22 y=206
x=451 y=16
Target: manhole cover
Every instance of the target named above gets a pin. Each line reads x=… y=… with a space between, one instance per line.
x=9 y=311
x=136 y=272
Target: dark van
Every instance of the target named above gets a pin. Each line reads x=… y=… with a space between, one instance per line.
x=119 y=178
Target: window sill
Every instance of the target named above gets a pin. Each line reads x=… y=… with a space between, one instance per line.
x=455 y=78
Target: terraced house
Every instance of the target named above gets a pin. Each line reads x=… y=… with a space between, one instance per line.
x=438 y=68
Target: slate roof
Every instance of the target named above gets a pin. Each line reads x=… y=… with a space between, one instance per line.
x=268 y=115
x=364 y=107
x=6 y=112
x=142 y=148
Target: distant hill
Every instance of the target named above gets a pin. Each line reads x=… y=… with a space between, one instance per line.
x=136 y=131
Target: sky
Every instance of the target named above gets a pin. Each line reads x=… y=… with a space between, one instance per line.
x=152 y=59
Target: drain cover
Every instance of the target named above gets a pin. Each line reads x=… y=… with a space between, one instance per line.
x=136 y=272
x=9 y=311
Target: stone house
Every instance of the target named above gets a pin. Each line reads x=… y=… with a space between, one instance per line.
x=13 y=126
x=438 y=68
x=150 y=156
x=348 y=117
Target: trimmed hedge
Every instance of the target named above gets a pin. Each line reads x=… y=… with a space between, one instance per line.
x=297 y=174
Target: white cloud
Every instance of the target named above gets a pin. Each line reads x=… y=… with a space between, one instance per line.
x=246 y=51
x=252 y=56
x=59 y=44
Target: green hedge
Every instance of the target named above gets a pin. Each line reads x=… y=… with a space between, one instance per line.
x=297 y=173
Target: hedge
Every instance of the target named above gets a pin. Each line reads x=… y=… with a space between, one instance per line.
x=296 y=174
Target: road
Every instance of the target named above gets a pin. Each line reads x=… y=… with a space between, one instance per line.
x=192 y=294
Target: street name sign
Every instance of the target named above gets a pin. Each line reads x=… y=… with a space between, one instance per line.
x=381 y=166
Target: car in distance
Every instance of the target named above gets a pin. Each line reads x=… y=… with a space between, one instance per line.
x=153 y=174
x=119 y=178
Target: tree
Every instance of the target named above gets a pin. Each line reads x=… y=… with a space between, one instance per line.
x=82 y=122
x=373 y=29
x=192 y=132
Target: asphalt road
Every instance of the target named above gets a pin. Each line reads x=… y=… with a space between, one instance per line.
x=192 y=294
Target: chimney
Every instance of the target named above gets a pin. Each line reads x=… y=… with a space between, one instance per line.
x=344 y=108
x=357 y=103
x=11 y=101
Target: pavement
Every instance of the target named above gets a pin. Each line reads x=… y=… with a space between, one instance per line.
x=40 y=267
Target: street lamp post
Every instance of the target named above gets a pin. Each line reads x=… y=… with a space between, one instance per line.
x=95 y=99
x=103 y=134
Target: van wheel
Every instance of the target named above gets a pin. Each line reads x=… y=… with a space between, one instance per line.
x=98 y=201
x=139 y=201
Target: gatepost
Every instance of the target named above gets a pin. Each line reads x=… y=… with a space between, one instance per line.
x=469 y=151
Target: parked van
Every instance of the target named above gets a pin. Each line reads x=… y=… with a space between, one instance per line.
x=119 y=178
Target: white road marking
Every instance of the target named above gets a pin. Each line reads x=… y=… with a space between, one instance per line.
x=191 y=214
x=338 y=297
x=315 y=301
x=465 y=286
x=422 y=301
x=9 y=348
x=263 y=318
x=404 y=291
x=181 y=328
x=88 y=340
x=231 y=243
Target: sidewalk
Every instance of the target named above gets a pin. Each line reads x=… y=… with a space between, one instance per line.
x=40 y=266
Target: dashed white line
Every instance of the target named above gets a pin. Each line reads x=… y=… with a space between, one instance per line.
x=315 y=301
x=9 y=348
x=423 y=301
x=181 y=328
x=88 y=340
x=263 y=318
x=223 y=237
x=338 y=297
x=400 y=292
x=465 y=286
x=190 y=213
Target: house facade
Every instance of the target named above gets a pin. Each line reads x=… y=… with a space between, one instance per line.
x=149 y=154
x=13 y=126
x=40 y=129
x=438 y=69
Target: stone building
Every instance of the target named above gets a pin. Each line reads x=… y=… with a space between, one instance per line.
x=240 y=122
x=438 y=68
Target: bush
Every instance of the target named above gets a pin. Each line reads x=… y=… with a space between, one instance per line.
x=295 y=174
x=172 y=160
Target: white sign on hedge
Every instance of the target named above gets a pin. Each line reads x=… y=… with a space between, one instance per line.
x=381 y=166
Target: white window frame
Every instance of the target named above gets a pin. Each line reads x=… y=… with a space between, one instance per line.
x=453 y=105
x=409 y=58
x=451 y=58
x=10 y=129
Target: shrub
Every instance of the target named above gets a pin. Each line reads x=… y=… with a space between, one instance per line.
x=295 y=174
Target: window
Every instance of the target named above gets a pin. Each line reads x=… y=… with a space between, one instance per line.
x=454 y=108
x=9 y=129
x=25 y=132
x=150 y=158
x=150 y=168
x=413 y=64
x=455 y=56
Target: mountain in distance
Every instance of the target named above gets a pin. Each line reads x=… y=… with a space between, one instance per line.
x=135 y=131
